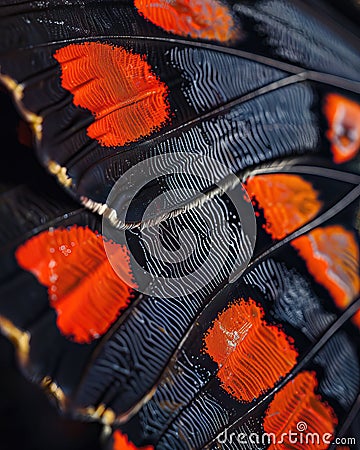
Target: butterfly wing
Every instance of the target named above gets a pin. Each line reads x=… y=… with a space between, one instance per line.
x=215 y=388
x=285 y=303
x=278 y=102
x=106 y=86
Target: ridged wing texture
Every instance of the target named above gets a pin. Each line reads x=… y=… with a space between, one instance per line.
x=241 y=371
x=26 y=316
x=179 y=367
x=274 y=314
x=243 y=100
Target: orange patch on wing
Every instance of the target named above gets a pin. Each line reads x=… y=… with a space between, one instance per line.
x=83 y=288
x=251 y=354
x=332 y=257
x=118 y=87
x=288 y=202
x=203 y=19
x=297 y=408
x=343 y=116
x=121 y=442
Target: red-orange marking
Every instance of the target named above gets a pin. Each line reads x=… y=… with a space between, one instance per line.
x=297 y=408
x=204 y=19
x=288 y=202
x=82 y=286
x=121 y=442
x=251 y=354
x=118 y=87
x=343 y=116
x=332 y=257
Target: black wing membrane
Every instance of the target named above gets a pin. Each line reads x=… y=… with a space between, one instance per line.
x=26 y=316
x=189 y=404
x=43 y=351
x=151 y=366
x=249 y=100
x=259 y=105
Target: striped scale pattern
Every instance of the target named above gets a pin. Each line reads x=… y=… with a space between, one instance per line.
x=254 y=103
x=153 y=330
x=286 y=29
x=236 y=118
